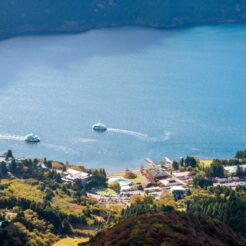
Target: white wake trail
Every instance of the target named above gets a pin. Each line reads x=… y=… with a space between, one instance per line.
x=86 y=140
x=61 y=148
x=127 y=132
x=167 y=136
x=11 y=137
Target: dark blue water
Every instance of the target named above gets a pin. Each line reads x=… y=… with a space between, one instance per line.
x=164 y=93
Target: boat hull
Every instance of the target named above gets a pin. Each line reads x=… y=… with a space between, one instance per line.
x=32 y=141
x=99 y=129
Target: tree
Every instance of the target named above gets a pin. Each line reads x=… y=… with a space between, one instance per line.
x=167 y=198
x=189 y=161
x=12 y=166
x=202 y=181
x=216 y=169
x=175 y=165
x=141 y=168
x=48 y=164
x=240 y=172
x=115 y=186
x=65 y=228
x=3 y=169
x=129 y=174
x=135 y=199
x=240 y=155
x=64 y=168
x=9 y=155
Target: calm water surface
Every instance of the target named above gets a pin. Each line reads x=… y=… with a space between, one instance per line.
x=161 y=93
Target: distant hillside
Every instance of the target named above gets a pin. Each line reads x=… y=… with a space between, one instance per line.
x=167 y=229
x=36 y=16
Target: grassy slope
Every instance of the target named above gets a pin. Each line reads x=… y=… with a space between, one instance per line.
x=71 y=241
x=23 y=189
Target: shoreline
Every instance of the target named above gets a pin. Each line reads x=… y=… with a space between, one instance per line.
x=27 y=33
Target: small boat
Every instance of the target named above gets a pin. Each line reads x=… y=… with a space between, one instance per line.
x=99 y=127
x=31 y=138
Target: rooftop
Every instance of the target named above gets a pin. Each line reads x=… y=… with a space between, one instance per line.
x=157 y=173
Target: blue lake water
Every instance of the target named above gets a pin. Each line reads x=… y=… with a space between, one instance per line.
x=161 y=93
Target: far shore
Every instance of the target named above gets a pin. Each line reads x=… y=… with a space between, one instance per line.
x=81 y=30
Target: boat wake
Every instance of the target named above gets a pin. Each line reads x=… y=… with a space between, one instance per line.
x=12 y=137
x=66 y=150
x=127 y=132
x=167 y=136
x=86 y=140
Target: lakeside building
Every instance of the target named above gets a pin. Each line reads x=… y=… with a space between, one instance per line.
x=71 y=175
x=233 y=169
x=232 y=182
x=169 y=182
x=178 y=191
x=154 y=174
x=147 y=182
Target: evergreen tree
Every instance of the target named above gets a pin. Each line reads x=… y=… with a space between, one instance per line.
x=13 y=166
x=175 y=165
x=3 y=169
x=216 y=169
x=9 y=155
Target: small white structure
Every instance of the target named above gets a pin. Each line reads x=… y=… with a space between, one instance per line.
x=233 y=169
x=167 y=160
x=178 y=190
x=169 y=182
x=71 y=175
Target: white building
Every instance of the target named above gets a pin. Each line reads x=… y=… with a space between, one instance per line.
x=233 y=169
x=71 y=175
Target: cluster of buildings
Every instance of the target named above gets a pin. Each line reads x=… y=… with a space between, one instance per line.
x=154 y=181
x=232 y=182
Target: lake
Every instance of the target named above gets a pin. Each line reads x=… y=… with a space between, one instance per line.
x=161 y=93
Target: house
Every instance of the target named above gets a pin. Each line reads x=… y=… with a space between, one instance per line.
x=153 y=189
x=233 y=179
x=10 y=215
x=156 y=174
x=221 y=180
x=233 y=169
x=183 y=175
x=72 y=175
x=178 y=192
x=100 y=219
x=169 y=182
x=147 y=182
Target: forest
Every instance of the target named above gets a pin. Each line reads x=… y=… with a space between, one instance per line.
x=68 y=16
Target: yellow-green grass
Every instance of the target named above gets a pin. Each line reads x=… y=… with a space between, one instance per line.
x=205 y=163
x=65 y=204
x=69 y=241
x=22 y=189
x=105 y=191
x=138 y=178
x=122 y=174
x=25 y=189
